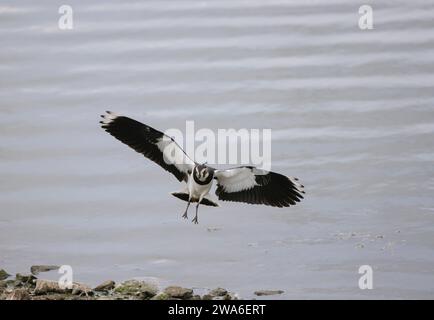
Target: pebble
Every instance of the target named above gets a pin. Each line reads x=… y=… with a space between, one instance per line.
x=268 y=292
x=179 y=292
x=42 y=268
x=3 y=274
x=105 y=286
x=19 y=294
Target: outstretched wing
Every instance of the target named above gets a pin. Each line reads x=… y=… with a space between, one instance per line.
x=152 y=143
x=255 y=186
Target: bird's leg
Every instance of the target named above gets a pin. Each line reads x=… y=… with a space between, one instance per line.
x=186 y=210
x=195 y=217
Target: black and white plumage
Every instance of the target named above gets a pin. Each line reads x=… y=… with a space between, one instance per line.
x=242 y=184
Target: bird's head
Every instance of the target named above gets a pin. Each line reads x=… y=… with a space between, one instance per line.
x=201 y=172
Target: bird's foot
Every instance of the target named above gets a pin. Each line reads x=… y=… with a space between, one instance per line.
x=195 y=221
x=185 y=215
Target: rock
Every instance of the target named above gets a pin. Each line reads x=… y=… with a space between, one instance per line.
x=196 y=297
x=268 y=292
x=179 y=292
x=42 y=268
x=137 y=288
x=161 y=296
x=3 y=288
x=19 y=294
x=79 y=289
x=105 y=286
x=234 y=296
x=61 y=296
x=3 y=274
x=44 y=287
x=25 y=278
x=218 y=292
x=126 y=297
x=106 y=298
x=10 y=283
x=47 y=286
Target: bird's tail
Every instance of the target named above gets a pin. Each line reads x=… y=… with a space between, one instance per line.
x=206 y=201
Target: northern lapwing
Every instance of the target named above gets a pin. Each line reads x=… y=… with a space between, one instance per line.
x=241 y=184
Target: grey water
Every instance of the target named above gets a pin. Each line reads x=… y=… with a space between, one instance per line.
x=351 y=113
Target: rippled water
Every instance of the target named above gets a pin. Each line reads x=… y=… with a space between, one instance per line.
x=352 y=116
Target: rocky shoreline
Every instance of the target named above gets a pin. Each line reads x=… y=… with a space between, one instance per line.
x=29 y=287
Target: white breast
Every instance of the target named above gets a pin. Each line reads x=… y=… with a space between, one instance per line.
x=196 y=190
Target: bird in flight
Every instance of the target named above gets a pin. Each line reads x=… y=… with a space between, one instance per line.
x=241 y=184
